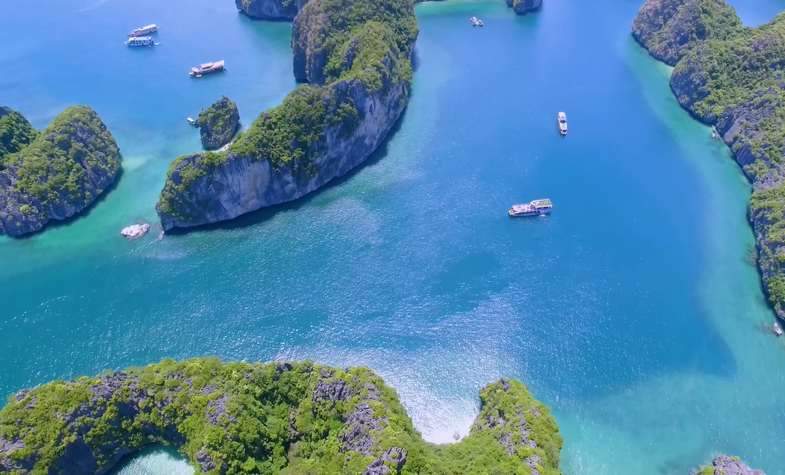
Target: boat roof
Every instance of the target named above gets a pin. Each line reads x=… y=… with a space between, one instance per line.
x=543 y=202
x=151 y=25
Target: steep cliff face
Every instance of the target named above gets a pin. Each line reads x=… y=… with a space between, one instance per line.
x=732 y=77
x=522 y=7
x=270 y=9
x=241 y=182
x=356 y=55
x=264 y=418
x=218 y=124
x=59 y=174
x=667 y=28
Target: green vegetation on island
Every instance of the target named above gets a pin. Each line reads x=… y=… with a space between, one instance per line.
x=59 y=173
x=219 y=123
x=15 y=132
x=668 y=28
x=355 y=56
x=287 y=418
x=734 y=78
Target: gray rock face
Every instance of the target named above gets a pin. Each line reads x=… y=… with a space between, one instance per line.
x=71 y=163
x=393 y=459
x=242 y=184
x=667 y=28
x=522 y=7
x=270 y=9
x=7 y=463
x=357 y=435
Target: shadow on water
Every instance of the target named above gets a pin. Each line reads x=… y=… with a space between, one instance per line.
x=255 y=217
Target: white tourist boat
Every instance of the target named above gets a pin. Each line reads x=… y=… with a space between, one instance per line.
x=135 y=231
x=207 y=68
x=476 y=21
x=562 y=119
x=146 y=30
x=140 y=41
x=541 y=207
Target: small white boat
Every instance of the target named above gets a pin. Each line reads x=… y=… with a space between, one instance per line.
x=191 y=121
x=476 y=21
x=777 y=329
x=207 y=68
x=140 y=41
x=146 y=30
x=135 y=231
x=541 y=207
x=562 y=119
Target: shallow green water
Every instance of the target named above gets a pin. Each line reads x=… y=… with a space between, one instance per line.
x=632 y=311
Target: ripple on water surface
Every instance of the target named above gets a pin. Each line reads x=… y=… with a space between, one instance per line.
x=631 y=311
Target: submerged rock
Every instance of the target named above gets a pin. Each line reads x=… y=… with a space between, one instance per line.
x=218 y=124
x=727 y=465
x=522 y=7
x=256 y=418
x=57 y=175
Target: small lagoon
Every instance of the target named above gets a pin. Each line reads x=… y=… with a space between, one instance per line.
x=633 y=311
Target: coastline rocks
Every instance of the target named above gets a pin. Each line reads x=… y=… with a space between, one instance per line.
x=135 y=231
x=270 y=9
x=522 y=7
x=59 y=174
x=218 y=124
x=261 y=418
x=731 y=77
x=727 y=465
x=667 y=28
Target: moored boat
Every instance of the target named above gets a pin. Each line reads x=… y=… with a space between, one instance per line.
x=562 y=119
x=777 y=329
x=476 y=21
x=135 y=231
x=140 y=41
x=207 y=68
x=146 y=30
x=541 y=207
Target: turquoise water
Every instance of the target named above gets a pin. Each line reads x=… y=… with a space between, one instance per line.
x=155 y=461
x=633 y=311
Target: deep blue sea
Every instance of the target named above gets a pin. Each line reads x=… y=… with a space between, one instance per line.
x=633 y=311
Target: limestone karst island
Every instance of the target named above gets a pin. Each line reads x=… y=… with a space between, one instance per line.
x=392 y=237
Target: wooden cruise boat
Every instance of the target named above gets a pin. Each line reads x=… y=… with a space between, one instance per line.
x=207 y=68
